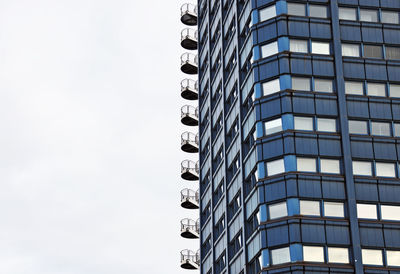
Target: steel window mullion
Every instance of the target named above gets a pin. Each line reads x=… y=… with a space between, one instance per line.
x=347 y=159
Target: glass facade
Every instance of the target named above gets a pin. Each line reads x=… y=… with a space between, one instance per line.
x=299 y=120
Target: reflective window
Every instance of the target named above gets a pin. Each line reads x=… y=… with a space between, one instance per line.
x=323 y=85
x=372 y=257
x=309 y=208
x=280 y=256
x=273 y=126
x=275 y=167
x=278 y=211
x=392 y=53
x=362 y=168
x=318 y=11
x=394 y=90
x=351 y=50
x=369 y=15
x=271 y=87
x=298 y=46
x=358 y=127
x=330 y=166
x=267 y=13
x=390 y=17
x=390 y=212
x=327 y=125
x=366 y=211
x=306 y=164
x=397 y=130
x=385 y=170
x=332 y=209
x=373 y=51
x=380 y=129
x=269 y=49
x=348 y=14
x=338 y=255
x=393 y=258
x=320 y=48
x=296 y=9
x=303 y=123
x=375 y=89
x=299 y=83
x=313 y=253
x=354 y=88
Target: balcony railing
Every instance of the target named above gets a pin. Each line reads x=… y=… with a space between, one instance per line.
x=189 y=89
x=189 y=14
x=189 y=199
x=189 y=142
x=189 y=170
x=190 y=259
x=190 y=229
x=189 y=115
x=189 y=39
x=189 y=64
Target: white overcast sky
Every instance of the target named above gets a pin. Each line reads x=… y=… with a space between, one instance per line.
x=90 y=137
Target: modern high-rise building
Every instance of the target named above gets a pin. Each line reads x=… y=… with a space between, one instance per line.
x=299 y=136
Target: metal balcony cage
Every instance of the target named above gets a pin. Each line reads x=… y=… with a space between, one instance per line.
x=189 y=142
x=189 y=14
x=190 y=229
x=189 y=89
x=189 y=63
x=189 y=38
x=189 y=170
x=190 y=259
x=189 y=198
x=190 y=115
x=190 y=224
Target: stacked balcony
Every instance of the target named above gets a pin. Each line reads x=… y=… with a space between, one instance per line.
x=189 y=39
x=190 y=229
x=190 y=170
x=190 y=115
x=189 y=89
x=190 y=259
x=189 y=14
x=189 y=199
x=189 y=63
x=189 y=141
